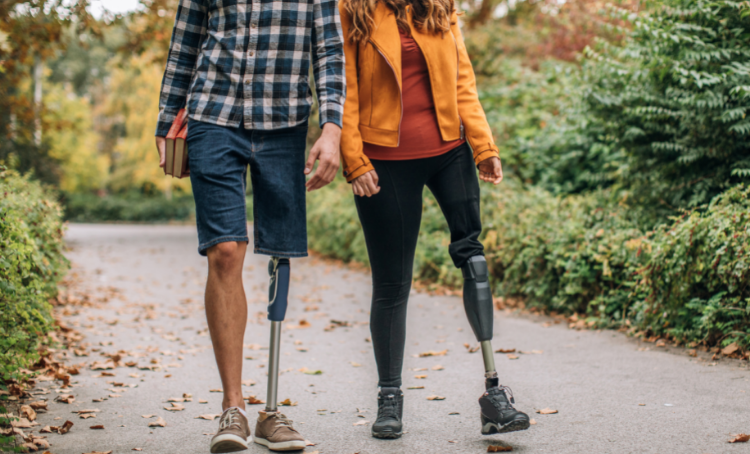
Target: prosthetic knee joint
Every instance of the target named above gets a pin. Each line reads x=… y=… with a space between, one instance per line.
x=278 y=292
x=479 y=308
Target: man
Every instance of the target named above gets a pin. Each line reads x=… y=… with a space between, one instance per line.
x=240 y=68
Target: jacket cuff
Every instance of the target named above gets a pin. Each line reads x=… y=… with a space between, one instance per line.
x=332 y=113
x=164 y=123
x=360 y=167
x=485 y=154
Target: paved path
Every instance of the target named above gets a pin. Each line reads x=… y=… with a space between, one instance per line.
x=146 y=283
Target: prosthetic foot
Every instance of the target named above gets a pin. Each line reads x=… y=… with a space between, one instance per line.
x=497 y=413
x=273 y=429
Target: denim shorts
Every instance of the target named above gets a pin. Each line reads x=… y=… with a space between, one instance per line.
x=218 y=159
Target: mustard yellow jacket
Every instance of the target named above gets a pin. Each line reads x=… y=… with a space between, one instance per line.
x=373 y=107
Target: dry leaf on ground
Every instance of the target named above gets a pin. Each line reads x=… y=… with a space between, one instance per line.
x=65 y=398
x=288 y=403
x=436 y=398
x=158 y=423
x=511 y=356
x=415 y=387
x=740 y=438
x=433 y=353
x=216 y=390
x=28 y=412
x=38 y=405
x=99 y=452
x=248 y=382
x=472 y=349
x=532 y=421
x=65 y=428
x=147 y=416
x=546 y=411
x=498 y=448
x=355 y=364
x=314 y=372
x=505 y=350
x=202 y=401
x=420 y=377
x=175 y=407
x=97 y=427
x=207 y=417
x=360 y=423
x=437 y=367
x=252 y=400
x=729 y=349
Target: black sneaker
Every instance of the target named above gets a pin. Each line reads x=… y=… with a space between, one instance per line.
x=498 y=415
x=390 y=411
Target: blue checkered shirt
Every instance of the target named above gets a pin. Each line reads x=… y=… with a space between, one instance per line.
x=247 y=62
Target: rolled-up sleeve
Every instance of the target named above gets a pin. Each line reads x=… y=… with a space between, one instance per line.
x=328 y=61
x=187 y=35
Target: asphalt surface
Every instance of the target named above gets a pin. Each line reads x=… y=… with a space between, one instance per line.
x=613 y=394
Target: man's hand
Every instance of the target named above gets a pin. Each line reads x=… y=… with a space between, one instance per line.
x=161 y=147
x=366 y=184
x=326 y=150
x=490 y=170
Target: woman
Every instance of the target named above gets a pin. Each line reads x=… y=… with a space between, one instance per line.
x=412 y=118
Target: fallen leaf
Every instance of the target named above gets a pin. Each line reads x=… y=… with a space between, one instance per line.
x=137 y=449
x=740 y=438
x=28 y=412
x=65 y=398
x=314 y=372
x=355 y=364
x=437 y=367
x=729 y=349
x=90 y=410
x=175 y=407
x=436 y=398
x=202 y=401
x=433 y=353
x=546 y=411
x=158 y=423
x=87 y=416
x=415 y=387
x=473 y=349
x=207 y=417
x=97 y=427
x=532 y=421
x=251 y=400
x=310 y=443
x=361 y=423
x=216 y=390
x=65 y=428
x=248 y=382
x=99 y=452
x=22 y=423
x=692 y=353
x=420 y=377
x=498 y=448
x=147 y=416
x=38 y=405
x=288 y=403
x=505 y=350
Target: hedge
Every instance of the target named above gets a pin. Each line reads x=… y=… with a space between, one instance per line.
x=585 y=254
x=31 y=265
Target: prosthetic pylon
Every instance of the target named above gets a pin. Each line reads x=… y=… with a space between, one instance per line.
x=278 y=292
x=479 y=310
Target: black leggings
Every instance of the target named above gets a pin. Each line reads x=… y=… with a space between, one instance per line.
x=390 y=220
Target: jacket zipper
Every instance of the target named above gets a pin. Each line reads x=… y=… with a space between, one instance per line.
x=458 y=62
x=401 y=95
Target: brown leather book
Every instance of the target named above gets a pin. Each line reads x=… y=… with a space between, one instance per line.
x=179 y=123
x=181 y=154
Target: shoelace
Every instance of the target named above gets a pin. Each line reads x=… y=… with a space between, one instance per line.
x=508 y=392
x=388 y=407
x=229 y=419
x=282 y=420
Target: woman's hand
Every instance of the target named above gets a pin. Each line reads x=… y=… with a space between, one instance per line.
x=366 y=184
x=490 y=170
x=161 y=147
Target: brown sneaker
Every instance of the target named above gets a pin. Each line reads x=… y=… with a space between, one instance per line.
x=275 y=431
x=233 y=433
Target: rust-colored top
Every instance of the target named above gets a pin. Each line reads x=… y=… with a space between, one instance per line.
x=419 y=132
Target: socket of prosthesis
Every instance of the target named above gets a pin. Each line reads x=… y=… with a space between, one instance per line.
x=478 y=297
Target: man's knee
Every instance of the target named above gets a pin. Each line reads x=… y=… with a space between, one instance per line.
x=226 y=257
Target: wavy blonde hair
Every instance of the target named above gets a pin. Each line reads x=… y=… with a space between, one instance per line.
x=433 y=16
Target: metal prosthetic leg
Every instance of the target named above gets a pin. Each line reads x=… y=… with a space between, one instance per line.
x=278 y=269
x=479 y=310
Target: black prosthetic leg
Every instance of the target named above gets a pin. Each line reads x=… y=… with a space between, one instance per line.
x=497 y=413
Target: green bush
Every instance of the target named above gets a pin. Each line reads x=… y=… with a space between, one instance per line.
x=696 y=285
x=133 y=207
x=31 y=264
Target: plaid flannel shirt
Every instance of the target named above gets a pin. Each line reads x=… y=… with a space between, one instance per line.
x=247 y=62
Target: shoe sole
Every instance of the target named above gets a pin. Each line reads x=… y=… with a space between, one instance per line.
x=228 y=443
x=387 y=435
x=491 y=428
x=294 y=445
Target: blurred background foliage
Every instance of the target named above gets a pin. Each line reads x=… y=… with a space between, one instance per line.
x=622 y=127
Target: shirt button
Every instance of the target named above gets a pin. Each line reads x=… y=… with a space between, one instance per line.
x=252 y=53
x=255 y=25
x=247 y=81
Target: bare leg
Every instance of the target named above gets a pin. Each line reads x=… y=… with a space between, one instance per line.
x=226 y=312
